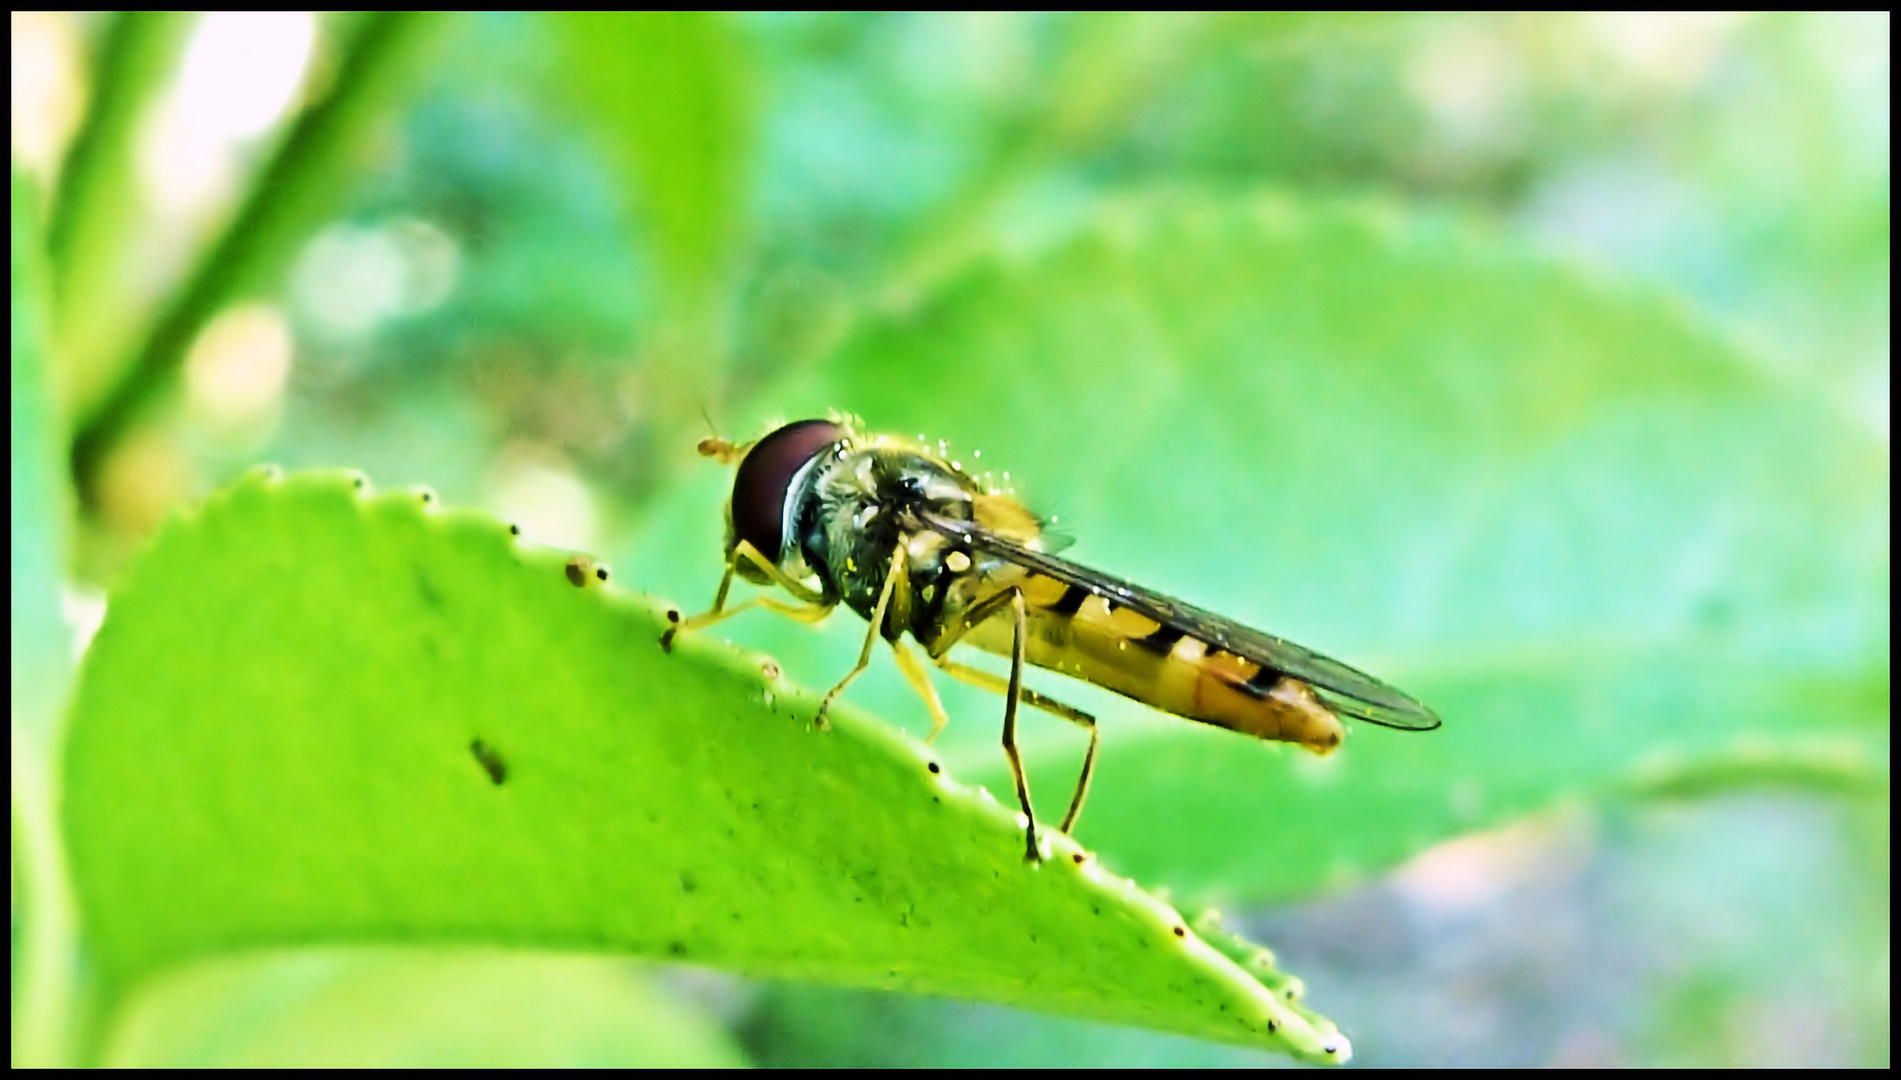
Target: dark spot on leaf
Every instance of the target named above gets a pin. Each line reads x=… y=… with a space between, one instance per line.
x=1329 y=1049
x=673 y=616
x=577 y=573
x=677 y=948
x=601 y=572
x=933 y=767
x=1272 y=1027
x=687 y=884
x=1179 y=932
x=426 y=496
x=491 y=762
x=514 y=530
x=427 y=589
x=1079 y=857
x=358 y=482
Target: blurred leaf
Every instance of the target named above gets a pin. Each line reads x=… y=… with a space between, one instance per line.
x=303 y=181
x=98 y=203
x=1593 y=537
x=415 y=1008
x=312 y=718
x=1108 y=64
x=40 y=653
x=807 y=1027
x=669 y=95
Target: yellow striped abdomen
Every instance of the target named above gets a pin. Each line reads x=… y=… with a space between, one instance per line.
x=1087 y=637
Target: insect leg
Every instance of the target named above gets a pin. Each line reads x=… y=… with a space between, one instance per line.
x=816 y=606
x=920 y=681
x=891 y=579
x=1022 y=618
x=996 y=684
x=779 y=577
x=1014 y=692
x=706 y=618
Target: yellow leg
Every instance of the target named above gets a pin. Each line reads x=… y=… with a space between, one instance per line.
x=815 y=608
x=891 y=579
x=996 y=684
x=920 y=681
x=779 y=577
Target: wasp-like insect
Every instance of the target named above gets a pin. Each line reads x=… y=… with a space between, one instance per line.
x=914 y=544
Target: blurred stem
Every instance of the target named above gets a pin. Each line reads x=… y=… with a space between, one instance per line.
x=42 y=669
x=301 y=182
x=97 y=201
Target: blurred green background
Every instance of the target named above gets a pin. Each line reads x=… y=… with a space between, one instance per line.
x=1225 y=294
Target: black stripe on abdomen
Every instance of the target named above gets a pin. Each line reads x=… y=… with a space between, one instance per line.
x=1070 y=602
x=1262 y=682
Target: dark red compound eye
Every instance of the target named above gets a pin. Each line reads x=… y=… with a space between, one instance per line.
x=765 y=476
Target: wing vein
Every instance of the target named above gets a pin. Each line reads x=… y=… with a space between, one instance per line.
x=1345 y=688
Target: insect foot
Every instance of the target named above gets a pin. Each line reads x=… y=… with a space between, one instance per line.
x=1033 y=851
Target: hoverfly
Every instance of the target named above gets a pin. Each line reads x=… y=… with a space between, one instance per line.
x=915 y=545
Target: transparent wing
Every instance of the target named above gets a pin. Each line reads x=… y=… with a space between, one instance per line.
x=1347 y=689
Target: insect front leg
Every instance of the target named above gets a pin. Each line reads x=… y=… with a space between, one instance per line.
x=745 y=550
x=815 y=607
x=996 y=685
x=892 y=579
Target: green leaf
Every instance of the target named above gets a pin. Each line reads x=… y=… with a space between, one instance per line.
x=415 y=1008
x=315 y=717
x=1607 y=548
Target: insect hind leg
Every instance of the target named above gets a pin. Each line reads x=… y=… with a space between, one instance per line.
x=998 y=685
x=1020 y=616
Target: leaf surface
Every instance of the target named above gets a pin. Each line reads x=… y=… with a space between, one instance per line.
x=314 y=716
